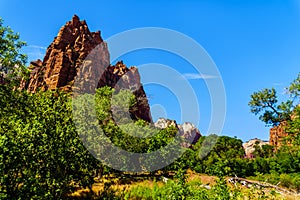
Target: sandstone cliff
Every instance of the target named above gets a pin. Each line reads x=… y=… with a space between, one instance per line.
x=277 y=134
x=65 y=55
x=79 y=58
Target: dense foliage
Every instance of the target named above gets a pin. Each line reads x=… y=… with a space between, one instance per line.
x=40 y=152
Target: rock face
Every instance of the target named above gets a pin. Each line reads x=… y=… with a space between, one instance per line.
x=79 y=59
x=249 y=146
x=120 y=77
x=277 y=134
x=65 y=55
x=187 y=130
x=163 y=123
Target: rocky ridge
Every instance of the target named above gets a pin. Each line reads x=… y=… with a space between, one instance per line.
x=64 y=57
x=79 y=59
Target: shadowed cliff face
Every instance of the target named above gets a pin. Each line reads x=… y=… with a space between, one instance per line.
x=120 y=77
x=81 y=56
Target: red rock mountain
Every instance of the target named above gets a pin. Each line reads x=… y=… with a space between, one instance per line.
x=79 y=58
x=277 y=134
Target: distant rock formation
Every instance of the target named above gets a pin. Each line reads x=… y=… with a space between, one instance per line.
x=163 y=123
x=78 y=58
x=187 y=130
x=249 y=146
x=277 y=134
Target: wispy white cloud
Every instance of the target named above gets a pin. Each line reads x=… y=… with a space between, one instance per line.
x=34 y=52
x=37 y=47
x=278 y=84
x=191 y=76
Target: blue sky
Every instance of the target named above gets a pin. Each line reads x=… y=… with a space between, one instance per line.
x=255 y=44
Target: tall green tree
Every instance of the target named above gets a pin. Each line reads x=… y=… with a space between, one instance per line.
x=265 y=104
x=12 y=61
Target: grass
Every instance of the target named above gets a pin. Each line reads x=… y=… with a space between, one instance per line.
x=145 y=184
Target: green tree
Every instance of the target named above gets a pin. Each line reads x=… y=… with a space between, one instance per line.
x=294 y=88
x=12 y=62
x=224 y=158
x=136 y=136
x=41 y=155
x=268 y=150
x=265 y=104
x=294 y=128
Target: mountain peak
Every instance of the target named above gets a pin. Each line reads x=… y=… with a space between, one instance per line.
x=65 y=55
x=64 y=61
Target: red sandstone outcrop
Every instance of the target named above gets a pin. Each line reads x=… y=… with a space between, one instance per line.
x=65 y=56
x=278 y=133
x=79 y=59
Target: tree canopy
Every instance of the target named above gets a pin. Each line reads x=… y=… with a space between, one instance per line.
x=12 y=61
x=265 y=104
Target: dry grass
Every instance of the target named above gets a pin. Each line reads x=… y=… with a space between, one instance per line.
x=203 y=178
x=127 y=182
x=119 y=183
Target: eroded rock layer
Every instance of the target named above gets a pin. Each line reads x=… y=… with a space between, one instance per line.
x=79 y=59
x=65 y=56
